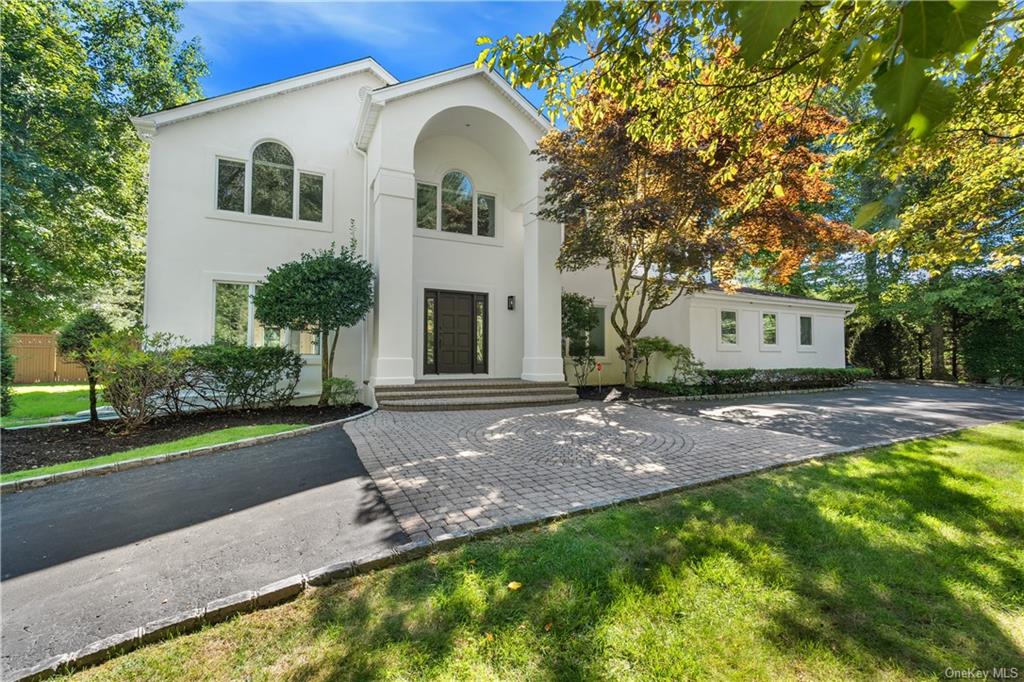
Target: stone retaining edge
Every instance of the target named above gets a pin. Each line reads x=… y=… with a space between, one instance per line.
x=104 y=469
x=287 y=589
x=730 y=396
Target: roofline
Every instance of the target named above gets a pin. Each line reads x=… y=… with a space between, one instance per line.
x=375 y=100
x=798 y=301
x=147 y=124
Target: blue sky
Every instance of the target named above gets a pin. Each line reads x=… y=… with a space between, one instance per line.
x=249 y=43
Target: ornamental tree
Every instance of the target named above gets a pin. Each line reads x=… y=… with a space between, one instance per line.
x=658 y=216
x=75 y=343
x=321 y=292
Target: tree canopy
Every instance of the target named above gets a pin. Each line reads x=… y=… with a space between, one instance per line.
x=73 y=194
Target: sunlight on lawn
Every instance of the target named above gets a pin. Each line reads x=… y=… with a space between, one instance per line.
x=894 y=564
x=38 y=402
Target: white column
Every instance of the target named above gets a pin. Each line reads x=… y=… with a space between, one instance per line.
x=542 y=298
x=394 y=214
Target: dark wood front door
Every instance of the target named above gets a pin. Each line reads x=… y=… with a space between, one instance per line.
x=455 y=333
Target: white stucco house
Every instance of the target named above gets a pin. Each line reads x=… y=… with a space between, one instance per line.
x=434 y=180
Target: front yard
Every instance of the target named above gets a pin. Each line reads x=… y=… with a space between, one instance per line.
x=901 y=562
x=37 y=403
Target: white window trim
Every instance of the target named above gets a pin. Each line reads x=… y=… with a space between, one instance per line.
x=800 y=347
x=247 y=216
x=474 y=237
x=768 y=347
x=251 y=282
x=722 y=345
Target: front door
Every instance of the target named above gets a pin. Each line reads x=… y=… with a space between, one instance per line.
x=455 y=331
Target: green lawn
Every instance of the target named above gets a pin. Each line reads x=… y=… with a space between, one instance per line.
x=211 y=438
x=896 y=563
x=35 y=403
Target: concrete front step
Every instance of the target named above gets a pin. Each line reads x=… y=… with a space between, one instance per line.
x=468 y=384
x=486 y=402
x=496 y=392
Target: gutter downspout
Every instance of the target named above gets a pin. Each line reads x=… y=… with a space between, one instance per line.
x=366 y=254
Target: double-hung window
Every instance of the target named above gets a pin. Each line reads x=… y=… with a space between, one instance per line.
x=728 y=331
x=769 y=330
x=234 y=322
x=455 y=206
x=806 y=332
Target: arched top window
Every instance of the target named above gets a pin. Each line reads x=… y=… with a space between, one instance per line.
x=457 y=203
x=273 y=180
x=274 y=186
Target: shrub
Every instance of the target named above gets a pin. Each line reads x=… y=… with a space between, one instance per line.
x=138 y=372
x=75 y=344
x=226 y=376
x=341 y=391
x=686 y=368
x=645 y=347
x=6 y=371
x=726 y=381
x=583 y=361
x=884 y=347
x=993 y=349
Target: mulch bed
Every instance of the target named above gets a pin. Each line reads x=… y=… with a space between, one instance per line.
x=619 y=392
x=36 y=447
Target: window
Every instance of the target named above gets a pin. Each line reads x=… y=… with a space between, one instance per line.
x=456 y=207
x=457 y=203
x=806 y=330
x=597 y=334
x=480 y=324
x=485 y=206
x=276 y=188
x=311 y=197
x=273 y=177
x=426 y=206
x=728 y=327
x=230 y=185
x=769 y=329
x=235 y=322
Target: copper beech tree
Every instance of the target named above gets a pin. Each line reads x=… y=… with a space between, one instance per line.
x=658 y=217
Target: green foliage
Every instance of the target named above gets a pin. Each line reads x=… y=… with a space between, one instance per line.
x=227 y=376
x=727 y=381
x=884 y=347
x=994 y=350
x=647 y=346
x=686 y=368
x=321 y=292
x=138 y=372
x=341 y=391
x=581 y=354
x=6 y=371
x=73 y=194
x=75 y=344
x=578 y=316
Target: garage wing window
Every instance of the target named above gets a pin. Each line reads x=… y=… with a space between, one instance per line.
x=728 y=327
x=806 y=330
x=769 y=329
x=234 y=322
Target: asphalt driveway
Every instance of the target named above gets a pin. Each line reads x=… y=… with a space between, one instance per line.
x=86 y=559
x=872 y=412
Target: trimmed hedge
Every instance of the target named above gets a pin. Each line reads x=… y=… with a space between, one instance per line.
x=726 y=381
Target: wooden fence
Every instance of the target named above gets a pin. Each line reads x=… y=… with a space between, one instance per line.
x=36 y=361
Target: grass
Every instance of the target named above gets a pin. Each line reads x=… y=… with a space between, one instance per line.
x=212 y=438
x=36 y=403
x=893 y=564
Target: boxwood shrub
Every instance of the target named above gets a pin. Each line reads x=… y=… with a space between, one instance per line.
x=726 y=381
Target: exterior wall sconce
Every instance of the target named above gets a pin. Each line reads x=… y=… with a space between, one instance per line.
x=511 y=302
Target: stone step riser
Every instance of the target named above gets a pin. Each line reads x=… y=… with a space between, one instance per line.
x=426 y=395
x=469 y=386
x=400 y=406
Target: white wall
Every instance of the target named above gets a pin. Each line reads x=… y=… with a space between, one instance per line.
x=693 y=321
x=190 y=244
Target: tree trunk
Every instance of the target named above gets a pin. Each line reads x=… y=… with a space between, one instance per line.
x=954 y=345
x=920 y=356
x=325 y=369
x=871 y=284
x=627 y=358
x=937 y=341
x=94 y=416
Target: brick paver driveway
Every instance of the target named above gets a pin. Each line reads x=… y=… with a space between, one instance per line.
x=462 y=471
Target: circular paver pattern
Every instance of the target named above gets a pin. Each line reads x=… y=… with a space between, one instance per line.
x=581 y=438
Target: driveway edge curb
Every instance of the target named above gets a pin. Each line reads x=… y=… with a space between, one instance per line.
x=730 y=396
x=285 y=590
x=104 y=469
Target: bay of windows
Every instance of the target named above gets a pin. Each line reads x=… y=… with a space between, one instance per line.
x=234 y=321
x=276 y=189
x=455 y=207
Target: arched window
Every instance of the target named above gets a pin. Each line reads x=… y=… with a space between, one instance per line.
x=273 y=180
x=457 y=203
